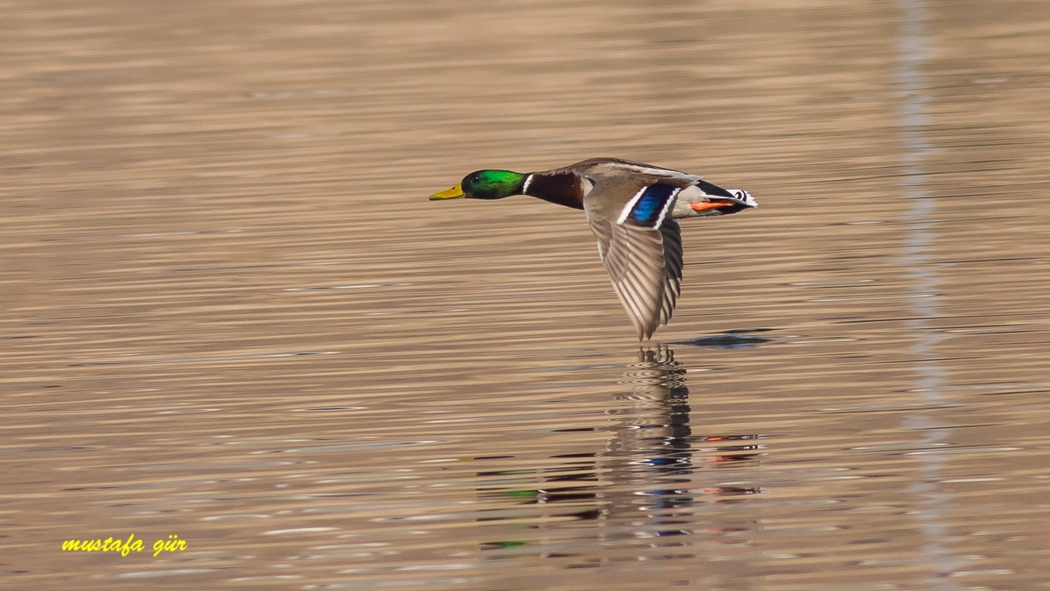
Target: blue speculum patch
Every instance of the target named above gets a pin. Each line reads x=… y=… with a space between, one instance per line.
x=652 y=204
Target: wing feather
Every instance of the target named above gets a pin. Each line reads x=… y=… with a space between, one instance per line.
x=673 y=263
x=645 y=266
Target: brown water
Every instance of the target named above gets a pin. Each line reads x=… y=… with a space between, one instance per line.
x=230 y=314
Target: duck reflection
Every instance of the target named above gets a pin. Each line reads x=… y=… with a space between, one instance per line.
x=656 y=457
x=649 y=480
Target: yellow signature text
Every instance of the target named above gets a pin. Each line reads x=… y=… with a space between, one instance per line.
x=172 y=544
x=124 y=547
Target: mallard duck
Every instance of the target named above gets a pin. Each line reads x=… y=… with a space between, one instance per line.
x=632 y=208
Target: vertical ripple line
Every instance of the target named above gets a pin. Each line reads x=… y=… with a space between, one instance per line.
x=933 y=511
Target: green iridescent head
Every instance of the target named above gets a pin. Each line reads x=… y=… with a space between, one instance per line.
x=485 y=184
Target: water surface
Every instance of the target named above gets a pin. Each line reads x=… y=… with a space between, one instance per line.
x=231 y=315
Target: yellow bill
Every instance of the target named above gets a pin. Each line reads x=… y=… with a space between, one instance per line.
x=453 y=193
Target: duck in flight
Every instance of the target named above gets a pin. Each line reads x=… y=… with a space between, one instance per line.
x=632 y=208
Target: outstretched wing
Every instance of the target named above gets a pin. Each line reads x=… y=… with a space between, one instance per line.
x=645 y=265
